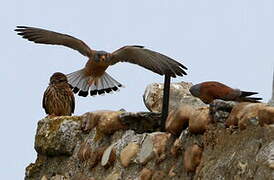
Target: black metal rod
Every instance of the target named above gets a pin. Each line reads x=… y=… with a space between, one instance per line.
x=165 y=102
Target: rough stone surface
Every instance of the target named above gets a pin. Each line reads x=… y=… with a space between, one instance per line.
x=178 y=119
x=227 y=153
x=220 y=110
x=57 y=136
x=160 y=141
x=128 y=153
x=141 y=122
x=145 y=174
x=192 y=157
x=109 y=156
x=199 y=120
x=146 y=152
x=266 y=115
x=244 y=114
x=179 y=94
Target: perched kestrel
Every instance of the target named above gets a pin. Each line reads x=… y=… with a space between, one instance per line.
x=93 y=77
x=58 y=99
x=211 y=90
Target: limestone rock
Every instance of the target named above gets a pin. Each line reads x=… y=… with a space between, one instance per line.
x=236 y=114
x=199 y=120
x=106 y=122
x=266 y=115
x=84 y=152
x=109 y=156
x=128 y=153
x=115 y=175
x=192 y=158
x=145 y=174
x=141 y=122
x=146 y=152
x=96 y=156
x=244 y=114
x=58 y=177
x=57 y=136
x=44 y=178
x=153 y=145
x=158 y=175
x=266 y=154
x=178 y=119
x=171 y=172
x=176 y=147
x=179 y=94
x=160 y=140
x=220 y=110
x=82 y=177
x=227 y=153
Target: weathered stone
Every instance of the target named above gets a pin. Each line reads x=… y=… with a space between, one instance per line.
x=106 y=122
x=146 y=153
x=179 y=94
x=57 y=136
x=96 y=156
x=128 y=153
x=145 y=174
x=236 y=114
x=171 y=172
x=176 y=147
x=84 y=152
x=115 y=175
x=44 y=178
x=160 y=140
x=220 y=110
x=192 y=157
x=266 y=115
x=82 y=177
x=227 y=153
x=178 y=119
x=266 y=154
x=199 y=120
x=109 y=156
x=58 y=177
x=158 y=175
x=141 y=122
x=244 y=114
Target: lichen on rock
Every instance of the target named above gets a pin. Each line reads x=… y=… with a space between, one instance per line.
x=57 y=136
x=131 y=147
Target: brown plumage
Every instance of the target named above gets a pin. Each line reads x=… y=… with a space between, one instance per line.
x=211 y=90
x=58 y=99
x=93 y=77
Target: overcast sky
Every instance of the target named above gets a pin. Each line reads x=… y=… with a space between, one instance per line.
x=227 y=41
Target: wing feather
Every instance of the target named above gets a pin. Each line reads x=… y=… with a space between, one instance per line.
x=43 y=36
x=148 y=59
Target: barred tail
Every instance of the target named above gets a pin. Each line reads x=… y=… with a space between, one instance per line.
x=102 y=85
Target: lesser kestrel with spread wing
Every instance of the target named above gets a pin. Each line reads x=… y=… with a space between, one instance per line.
x=93 y=78
x=211 y=90
x=58 y=99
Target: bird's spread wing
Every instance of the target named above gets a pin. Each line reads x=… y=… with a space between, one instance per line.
x=43 y=36
x=148 y=59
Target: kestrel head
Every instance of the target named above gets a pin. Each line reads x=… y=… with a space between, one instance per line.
x=58 y=77
x=101 y=56
x=195 y=90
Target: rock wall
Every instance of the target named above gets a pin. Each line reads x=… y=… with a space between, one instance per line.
x=226 y=140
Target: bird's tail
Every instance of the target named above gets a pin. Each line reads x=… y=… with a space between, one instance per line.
x=80 y=83
x=245 y=96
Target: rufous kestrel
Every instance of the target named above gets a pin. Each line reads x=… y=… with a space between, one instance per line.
x=58 y=99
x=93 y=78
x=211 y=90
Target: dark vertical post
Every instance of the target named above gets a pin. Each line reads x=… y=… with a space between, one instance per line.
x=165 y=102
